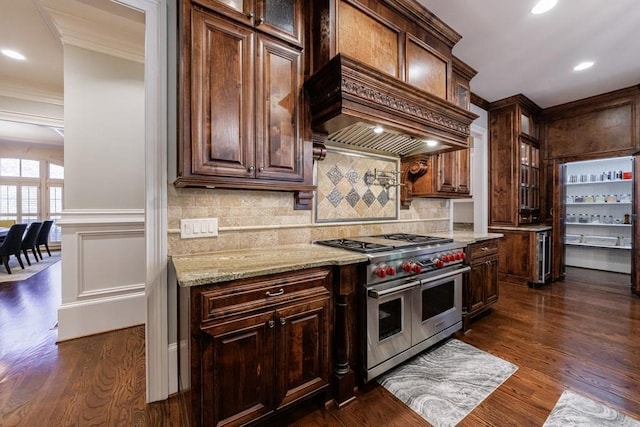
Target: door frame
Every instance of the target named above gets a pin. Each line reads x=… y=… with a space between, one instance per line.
x=155 y=227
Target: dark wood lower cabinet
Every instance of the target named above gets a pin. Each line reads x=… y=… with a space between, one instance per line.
x=481 y=286
x=256 y=346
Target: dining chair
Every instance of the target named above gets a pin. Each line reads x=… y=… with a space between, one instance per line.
x=43 y=237
x=11 y=245
x=29 y=240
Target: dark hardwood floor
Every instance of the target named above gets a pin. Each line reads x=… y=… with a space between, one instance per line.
x=581 y=334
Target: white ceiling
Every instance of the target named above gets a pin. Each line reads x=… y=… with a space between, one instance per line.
x=513 y=51
x=32 y=91
x=516 y=52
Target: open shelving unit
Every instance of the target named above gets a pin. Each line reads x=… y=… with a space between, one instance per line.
x=597 y=234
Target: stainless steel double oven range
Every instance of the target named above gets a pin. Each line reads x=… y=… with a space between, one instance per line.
x=412 y=295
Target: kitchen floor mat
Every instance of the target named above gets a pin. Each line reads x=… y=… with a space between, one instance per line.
x=447 y=382
x=573 y=409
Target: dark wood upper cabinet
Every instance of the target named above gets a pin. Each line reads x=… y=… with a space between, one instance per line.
x=514 y=162
x=280 y=18
x=240 y=86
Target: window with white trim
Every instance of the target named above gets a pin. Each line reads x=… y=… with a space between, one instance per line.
x=31 y=190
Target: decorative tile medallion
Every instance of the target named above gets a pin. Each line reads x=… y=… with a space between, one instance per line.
x=348 y=189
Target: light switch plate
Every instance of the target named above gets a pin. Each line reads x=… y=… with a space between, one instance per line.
x=198 y=227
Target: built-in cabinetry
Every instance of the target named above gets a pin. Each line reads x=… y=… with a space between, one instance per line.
x=256 y=346
x=445 y=174
x=481 y=284
x=514 y=162
x=525 y=254
x=241 y=103
x=598 y=202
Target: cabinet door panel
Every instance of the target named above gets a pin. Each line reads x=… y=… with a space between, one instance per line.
x=477 y=277
x=222 y=97
x=279 y=143
x=237 y=370
x=302 y=350
x=240 y=10
x=491 y=280
x=453 y=173
x=281 y=18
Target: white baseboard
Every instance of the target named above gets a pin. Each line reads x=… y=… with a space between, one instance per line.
x=82 y=318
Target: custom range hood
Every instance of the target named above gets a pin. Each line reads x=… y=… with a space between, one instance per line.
x=359 y=107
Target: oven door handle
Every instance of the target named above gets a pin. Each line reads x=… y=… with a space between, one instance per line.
x=447 y=274
x=374 y=293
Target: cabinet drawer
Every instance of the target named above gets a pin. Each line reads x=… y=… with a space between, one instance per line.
x=245 y=295
x=481 y=249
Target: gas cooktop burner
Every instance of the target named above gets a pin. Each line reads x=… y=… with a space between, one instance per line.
x=354 y=245
x=417 y=238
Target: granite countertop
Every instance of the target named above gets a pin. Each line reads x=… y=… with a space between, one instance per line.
x=523 y=228
x=467 y=236
x=222 y=266
x=215 y=267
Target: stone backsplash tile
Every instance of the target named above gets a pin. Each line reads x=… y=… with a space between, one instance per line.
x=267 y=218
x=347 y=191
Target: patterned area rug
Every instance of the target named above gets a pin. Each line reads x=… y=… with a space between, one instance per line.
x=573 y=409
x=18 y=273
x=445 y=383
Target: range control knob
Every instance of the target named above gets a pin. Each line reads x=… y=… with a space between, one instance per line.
x=407 y=266
x=381 y=272
x=439 y=263
x=416 y=268
x=391 y=271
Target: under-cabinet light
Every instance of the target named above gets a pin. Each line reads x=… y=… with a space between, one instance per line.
x=378 y=129
x=431 y=142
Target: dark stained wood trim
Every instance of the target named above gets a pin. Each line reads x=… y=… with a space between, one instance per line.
x=479 y=101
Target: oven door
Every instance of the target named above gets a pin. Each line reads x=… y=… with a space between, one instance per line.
x=437 y=305
x=388 y=320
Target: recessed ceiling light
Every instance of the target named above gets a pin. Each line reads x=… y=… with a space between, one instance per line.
x=13 y=54
x=431 y=142
x=378 y=129
x=583 y=66
x=543 y=6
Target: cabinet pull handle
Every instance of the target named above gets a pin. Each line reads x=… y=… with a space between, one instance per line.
x=484 y=248
x=280 y=292
x=283 y=320
x=271 y=323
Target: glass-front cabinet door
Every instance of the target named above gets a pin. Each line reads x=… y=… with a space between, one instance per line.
x=529 y=191
x=280 y=18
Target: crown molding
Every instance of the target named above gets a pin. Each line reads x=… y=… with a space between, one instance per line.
x=78 y=24
x=31 y=94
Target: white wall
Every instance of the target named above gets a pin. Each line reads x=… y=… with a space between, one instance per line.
x=104 y=131
x=103 y=239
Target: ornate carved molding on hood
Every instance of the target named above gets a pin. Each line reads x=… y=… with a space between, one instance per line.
x=348 y=99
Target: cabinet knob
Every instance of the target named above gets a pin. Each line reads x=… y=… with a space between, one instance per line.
x=250 y=15
x=261 y=168
x=283 y=320
x=250 y=168
x=271 y=323
x=260 y=20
